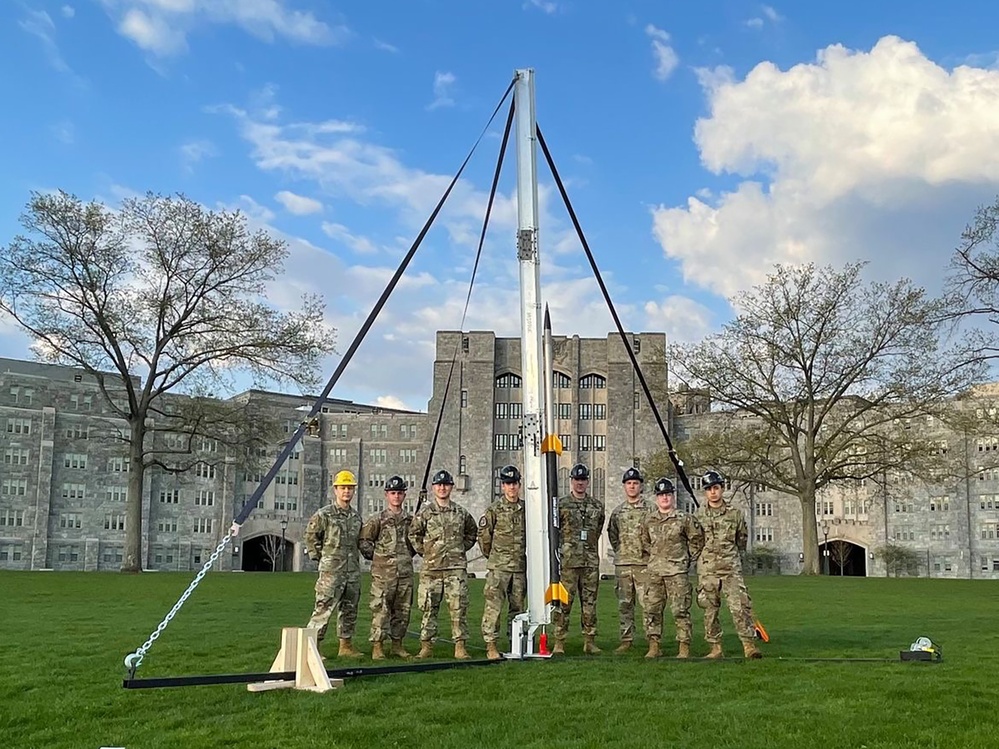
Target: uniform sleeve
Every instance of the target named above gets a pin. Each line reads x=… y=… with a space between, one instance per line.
x=645 y=538
x=487 y=524
x=417 y=530
x=600 y=518
x=695 y=537
x=741 y=534
x=613 y=532
x=471 y=532
x=369 y=534
x=313 y=538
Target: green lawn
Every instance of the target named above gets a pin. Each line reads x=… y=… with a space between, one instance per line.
x=63 y=637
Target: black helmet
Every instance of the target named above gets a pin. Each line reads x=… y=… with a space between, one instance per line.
x=632 y=474
x=509 y=475
x=579 y=471
x=395 y=484
x=665 y=486
x=442 y=477
x=712 y=478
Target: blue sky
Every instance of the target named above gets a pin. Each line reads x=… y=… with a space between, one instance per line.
x=702 y=143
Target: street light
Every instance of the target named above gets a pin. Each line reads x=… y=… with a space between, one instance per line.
x=284 y=527
x=825 y=547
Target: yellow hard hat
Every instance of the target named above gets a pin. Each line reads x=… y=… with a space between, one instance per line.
x=344 y=478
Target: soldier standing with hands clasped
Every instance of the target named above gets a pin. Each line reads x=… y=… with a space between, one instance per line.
x=623 y=532
x=503 y=540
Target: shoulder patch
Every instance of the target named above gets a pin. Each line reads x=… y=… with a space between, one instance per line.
x=482 y=522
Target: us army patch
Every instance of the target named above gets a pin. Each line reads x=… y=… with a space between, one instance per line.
x=482 y=522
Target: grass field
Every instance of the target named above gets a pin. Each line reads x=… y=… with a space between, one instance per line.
x=63 y=637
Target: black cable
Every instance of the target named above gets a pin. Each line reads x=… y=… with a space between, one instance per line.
x=468 y=297
x=677 y=463
x=251 y=503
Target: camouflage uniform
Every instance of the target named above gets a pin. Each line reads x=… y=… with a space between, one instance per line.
x=384 y=541
x=581 y=521
x=442 y=535
x=719 y=570
x=672 y=542
x=624 y=533
x=503 y=540
x=331 y=539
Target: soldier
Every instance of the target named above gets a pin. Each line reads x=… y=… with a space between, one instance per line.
x=581 y=521
x=441 y=533
x=623 y=531
x=384 y=541
x=331 y=539
x=672 y=540
x=719 y=569
x=503 y=540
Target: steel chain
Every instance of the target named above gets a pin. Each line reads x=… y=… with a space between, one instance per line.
x=134 y=660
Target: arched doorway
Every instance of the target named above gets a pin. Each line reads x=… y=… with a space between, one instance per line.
x=842 y=558
x=264 y=554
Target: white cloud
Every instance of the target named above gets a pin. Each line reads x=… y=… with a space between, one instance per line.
x=755 y=23
x=64 y=132
x=357 y=243
x=390 y=401
x=545 y=6
x=680 y=317
x=161 y=27
x=767 y=15
x=386 y=47
x=772 y=15
x=443 y=97
x=193 y=152
x=40 y=25
x=879 y=155
x=299 y=205
x=664 y=55
x=67 y=11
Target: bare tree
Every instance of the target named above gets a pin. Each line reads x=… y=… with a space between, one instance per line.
x=271 y=548
x=816 y=378
x=839 y=552
x=157 y=297
x=973 y=281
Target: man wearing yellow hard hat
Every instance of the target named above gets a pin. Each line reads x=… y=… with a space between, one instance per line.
x=331 y=538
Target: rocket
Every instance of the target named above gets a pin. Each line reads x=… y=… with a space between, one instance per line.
x=551 y=449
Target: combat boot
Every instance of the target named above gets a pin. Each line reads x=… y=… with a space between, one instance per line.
x=399 y=651
x=716 y=651
x=559 y=648
x=347 y=649
x=377 y=654
x=684 y=650
x=654 y=651
x=491 y=652
x=426 y=649
x=750 y=650
x=459 y=650
x=623 y=648
x=589 y=646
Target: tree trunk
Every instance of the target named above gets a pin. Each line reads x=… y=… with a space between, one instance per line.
x=132 y=558
x=809 y=532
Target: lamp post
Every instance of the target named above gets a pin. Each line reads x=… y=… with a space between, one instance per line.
x=284 y=527
x=825 y=548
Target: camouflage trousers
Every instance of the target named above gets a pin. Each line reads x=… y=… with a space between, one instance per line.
x=677 y=591
x=339 y=593
x=709 y=593
x=583 y=581
x=391 y=601
x=450 y=586
x=501 y=586
x=630 y=582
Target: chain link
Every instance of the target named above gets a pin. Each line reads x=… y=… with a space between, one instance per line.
x=134 y=660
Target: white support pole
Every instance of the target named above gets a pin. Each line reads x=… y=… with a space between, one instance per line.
x=534 y=490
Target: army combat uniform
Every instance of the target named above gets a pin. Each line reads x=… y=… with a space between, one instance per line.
x=672 y=541
x=630 y=560
x=331 y=539
x=719 y=570
x=581 y=521
x=442 y=535
x=503 y=540
x=384 y=540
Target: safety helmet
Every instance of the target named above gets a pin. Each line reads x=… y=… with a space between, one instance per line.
x=442 y=477
x=665 y=486
x=509 y=475
x=712 y=478
x=345 y=478
x=579 y=471
x=395 y=484
x=632 y=474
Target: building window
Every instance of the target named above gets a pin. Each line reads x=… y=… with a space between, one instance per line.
x=116 y=494
x=464 y=399
x=502 y=410
x=638 y=400
x=462 y=465
x=407 y=456
x=74 y=491
x=584 y=442
x=12 y=518
x=376 y=479
x=167 y=526
x=464 y=343
x=204 y=498
x=338 y=455
x=72 y=520
x=764 y=535
x=81 y=402
x=378 y=455
x=169 y=496
x=118 y=464
x=203 y=525
x=599 y=411
x=764 y=509
x=566 y=441
x=636 y=344
x=77 y=432
x=343 y=431
x=599 y=442
x=564 y=411
x=585 y=411
x=69 y=553
x=592 y=381
x=10 y=553
x=508 y=381
x=204 y=470
x=114 y=522
x=16 y=456
x=561 y=381
x=18 y=426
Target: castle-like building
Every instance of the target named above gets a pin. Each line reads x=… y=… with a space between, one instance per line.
x=63 y=488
